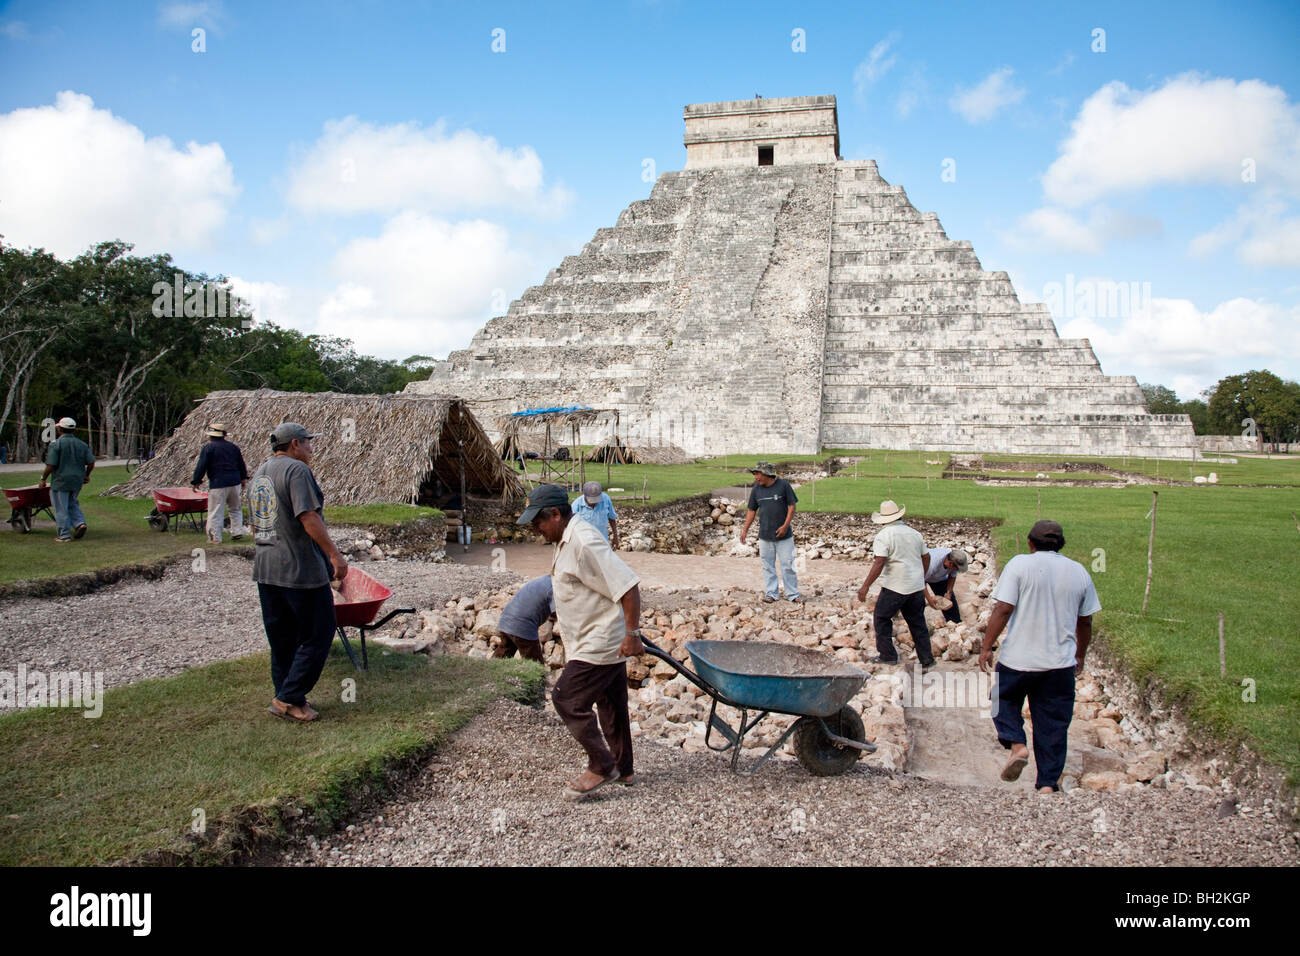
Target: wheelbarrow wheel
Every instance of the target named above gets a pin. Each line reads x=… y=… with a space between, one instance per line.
x=818 y=753
x=157 y=521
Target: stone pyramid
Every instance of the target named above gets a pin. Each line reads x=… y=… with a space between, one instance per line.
x=775 y=298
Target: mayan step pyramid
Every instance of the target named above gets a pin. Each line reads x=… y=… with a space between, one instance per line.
x=776 y=298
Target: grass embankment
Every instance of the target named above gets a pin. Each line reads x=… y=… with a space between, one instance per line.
x=118 y=533
x=127 y=785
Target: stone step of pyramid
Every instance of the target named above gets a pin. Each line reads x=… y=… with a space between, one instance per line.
x=803 y=304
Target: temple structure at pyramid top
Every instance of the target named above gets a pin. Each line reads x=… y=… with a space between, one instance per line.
x=773 y=297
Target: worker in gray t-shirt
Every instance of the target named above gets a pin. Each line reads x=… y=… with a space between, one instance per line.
x=1044 y=604
x=293 y=561
x=521 y=620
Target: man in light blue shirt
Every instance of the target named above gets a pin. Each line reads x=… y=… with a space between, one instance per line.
x=1045 y=603
x=595 y=507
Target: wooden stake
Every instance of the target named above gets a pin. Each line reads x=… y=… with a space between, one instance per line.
x=1017 y=542
x=1040 y=505
x=1223 y=662
x=1151 y=546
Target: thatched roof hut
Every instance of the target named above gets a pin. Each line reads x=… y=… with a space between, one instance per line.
x=639 y=454
x=373 y=448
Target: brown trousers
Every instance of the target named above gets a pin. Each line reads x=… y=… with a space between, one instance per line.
x=581 y=685
x=531 y=650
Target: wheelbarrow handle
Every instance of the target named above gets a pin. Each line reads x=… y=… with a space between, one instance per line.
x=653 y=648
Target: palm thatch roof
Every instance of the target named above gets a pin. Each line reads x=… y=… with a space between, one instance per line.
x=373 y=448
x=640 y=454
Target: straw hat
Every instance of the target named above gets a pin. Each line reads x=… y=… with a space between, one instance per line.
x=216 y=430
x=889 y=511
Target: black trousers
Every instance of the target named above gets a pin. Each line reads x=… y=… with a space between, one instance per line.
x=1051 y=705
x=913 y=607
x=300 y=628
x=941 y=590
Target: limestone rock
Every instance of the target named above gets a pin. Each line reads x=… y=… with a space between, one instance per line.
x=1147 y=765
x=1108 y=781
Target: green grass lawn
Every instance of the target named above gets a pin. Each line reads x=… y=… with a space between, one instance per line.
x=119 y=534
x=77 y=791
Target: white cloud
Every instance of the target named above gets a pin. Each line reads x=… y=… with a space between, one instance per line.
x=210 y=14
x=72 y=175
x=915 y=92
x=272 y=302
x=1190 y=131
x=981 y=103
x=1061 y=231
x=1262 y=231
x=878 y=62
x=1065 y=63
x=15 y=30
x=1173 y=341
x=356 y=167
x=422 y=285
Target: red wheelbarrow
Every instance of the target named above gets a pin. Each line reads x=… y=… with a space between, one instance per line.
x=356 y=603
x=26 y=503
x=172 y=505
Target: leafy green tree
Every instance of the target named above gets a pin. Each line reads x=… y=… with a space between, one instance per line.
x=1272 y=403
x=1160 y=400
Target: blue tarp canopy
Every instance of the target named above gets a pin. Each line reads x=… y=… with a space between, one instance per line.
x=559 y=410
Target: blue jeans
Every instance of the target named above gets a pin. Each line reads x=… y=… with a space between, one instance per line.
x=770 y=552
x=67 y=513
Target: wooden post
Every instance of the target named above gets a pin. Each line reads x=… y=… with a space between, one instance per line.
x=1040 y=504
x=1151 y=545
x=812 y=488
x=1017 y=542
x=1223 y=662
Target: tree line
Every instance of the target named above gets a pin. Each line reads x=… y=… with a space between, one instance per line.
x=125 y=344
x=1255 y=402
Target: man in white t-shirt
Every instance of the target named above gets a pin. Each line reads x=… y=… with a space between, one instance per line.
x=598 y=604
x=901 y=563
x=1045 y=603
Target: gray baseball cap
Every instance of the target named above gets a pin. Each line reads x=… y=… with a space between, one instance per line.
x=286 y=432
x=592 y=492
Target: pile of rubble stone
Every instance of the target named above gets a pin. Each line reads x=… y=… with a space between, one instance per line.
x=1110 y=753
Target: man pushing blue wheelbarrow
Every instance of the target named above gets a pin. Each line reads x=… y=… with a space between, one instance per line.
x=779 y=679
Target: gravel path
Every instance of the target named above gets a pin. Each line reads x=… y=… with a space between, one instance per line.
x=492 y=796
x=139 y=629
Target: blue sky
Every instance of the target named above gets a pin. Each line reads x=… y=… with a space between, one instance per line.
x=378 y=171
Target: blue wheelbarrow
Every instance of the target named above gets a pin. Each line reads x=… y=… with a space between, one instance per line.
x=779 y=679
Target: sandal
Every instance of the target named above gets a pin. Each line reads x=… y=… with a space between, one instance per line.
x=1011 y=771
x=279 y=708
x=572 y=793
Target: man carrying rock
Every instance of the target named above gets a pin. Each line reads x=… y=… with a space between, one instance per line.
x=595 y=507
x=70 y=460
x=522 y=618
x=901 y=563
x=293 y=562
x=223 y=463
x=598 y=604
x=1045 y=603
x=773 y=500
x=941 y=579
